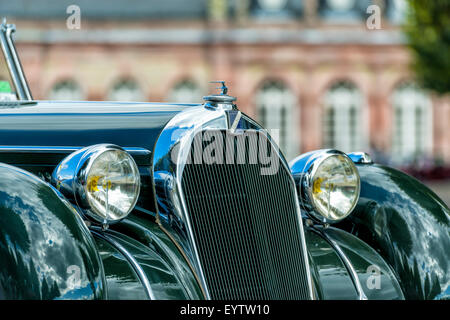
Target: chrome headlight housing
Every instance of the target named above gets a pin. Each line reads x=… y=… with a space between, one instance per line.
x=102 y=179
x=328 y=185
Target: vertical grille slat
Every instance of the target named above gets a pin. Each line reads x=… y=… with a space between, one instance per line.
x=246 y=228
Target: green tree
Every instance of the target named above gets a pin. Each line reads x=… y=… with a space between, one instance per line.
x=428 y=33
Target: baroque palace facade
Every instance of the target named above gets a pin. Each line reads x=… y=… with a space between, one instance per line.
x=311 y=68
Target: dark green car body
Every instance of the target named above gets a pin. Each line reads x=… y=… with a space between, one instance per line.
x=394 y=245
x=399 y=225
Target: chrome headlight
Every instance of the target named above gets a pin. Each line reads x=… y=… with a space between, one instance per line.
x=102 y=179
x=329 y=186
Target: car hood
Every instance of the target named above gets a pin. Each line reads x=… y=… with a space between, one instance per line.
x=80 y=124
x=37 y=135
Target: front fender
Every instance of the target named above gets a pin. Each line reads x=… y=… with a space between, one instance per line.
x=408 y=225
x=346 y=268
x=168 y=273
x=46 y=250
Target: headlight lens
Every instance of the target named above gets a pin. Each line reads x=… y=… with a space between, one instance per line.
x=334 y=187
x=103 y=180
x=112 y=185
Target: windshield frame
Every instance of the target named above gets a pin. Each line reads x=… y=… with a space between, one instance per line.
x=16 y=73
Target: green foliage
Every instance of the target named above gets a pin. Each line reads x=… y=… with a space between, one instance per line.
x=428 y=33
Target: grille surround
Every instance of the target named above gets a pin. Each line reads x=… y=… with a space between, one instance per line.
x=237 y=232
x=169 y=160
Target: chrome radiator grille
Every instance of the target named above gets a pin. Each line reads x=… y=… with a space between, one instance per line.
x=246 y=230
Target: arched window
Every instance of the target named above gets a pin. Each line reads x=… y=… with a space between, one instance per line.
x=185 y=91
x=276 y=109
x=125 y=90
x=343 y=121
x=412 y=123
x=66 y=90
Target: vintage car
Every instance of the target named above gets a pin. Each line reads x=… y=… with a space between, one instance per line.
x=122 y=200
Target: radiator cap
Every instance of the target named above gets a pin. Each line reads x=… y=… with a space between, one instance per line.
x=222 y=98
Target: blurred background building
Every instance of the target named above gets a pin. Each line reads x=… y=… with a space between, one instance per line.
x=311 y=68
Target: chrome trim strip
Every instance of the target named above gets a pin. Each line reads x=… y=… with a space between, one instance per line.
x=305 y=255
x=62 y=149
x=37 y=149
x=351 y=270
x=135 y=265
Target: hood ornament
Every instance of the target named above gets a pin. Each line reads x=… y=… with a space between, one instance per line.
x=224 y=88
x=220 y=100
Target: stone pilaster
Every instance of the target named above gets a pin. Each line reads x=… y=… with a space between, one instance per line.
x=217 y=10
x=310 y=11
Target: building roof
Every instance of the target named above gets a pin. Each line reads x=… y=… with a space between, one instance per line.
x=105 y=9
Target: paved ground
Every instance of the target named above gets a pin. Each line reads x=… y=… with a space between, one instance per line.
x=442 y=189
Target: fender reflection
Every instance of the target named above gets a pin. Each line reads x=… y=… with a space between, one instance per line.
x=46 y=250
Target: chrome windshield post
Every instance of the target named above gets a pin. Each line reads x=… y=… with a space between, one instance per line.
x=13 y=62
